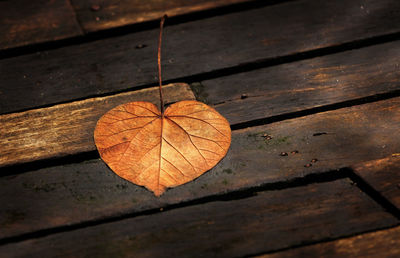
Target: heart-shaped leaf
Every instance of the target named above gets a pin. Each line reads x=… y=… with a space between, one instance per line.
x=157 y=150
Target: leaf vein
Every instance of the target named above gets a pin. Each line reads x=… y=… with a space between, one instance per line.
x=180 y=154
x=174 y=166
x=201 y=120
x=129 y=129
x=190 y=139
x=145 y=108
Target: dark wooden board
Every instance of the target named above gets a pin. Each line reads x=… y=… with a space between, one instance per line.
x=190 y=48
x=306 y=84
x=81 y=192
x=97 y=15
x=384 y=176
x=271 y=91
x=383 y=243
x=67 y=129
x=269 y=221
x=24 y=22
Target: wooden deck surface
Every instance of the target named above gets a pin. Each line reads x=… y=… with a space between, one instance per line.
x=311 y=90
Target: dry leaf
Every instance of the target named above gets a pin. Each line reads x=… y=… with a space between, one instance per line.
x=158 y=151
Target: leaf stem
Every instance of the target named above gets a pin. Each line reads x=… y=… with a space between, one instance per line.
x=159 y=63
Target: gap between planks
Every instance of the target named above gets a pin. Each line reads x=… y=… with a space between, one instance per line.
x=373 y=244
x=381 y=178
x=236 y=194
x=80 y=20
x=27 y=22
x=326 y=211
x=116 y=14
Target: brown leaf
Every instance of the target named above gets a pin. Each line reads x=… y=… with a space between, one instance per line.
x=160 y=151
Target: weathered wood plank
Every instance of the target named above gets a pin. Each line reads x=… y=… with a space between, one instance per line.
x=307 y=84
x=383 y=243
x=24 y=22
x=80 y=192
x=270 y=91
x=384 y=176
x=99 y=15
x=67 y=128
x=191 y=48
x=269 y=221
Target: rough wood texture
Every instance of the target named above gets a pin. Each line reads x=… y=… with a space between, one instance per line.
x=76 y=193
x=384 y=176
x=97 y=15
x=271 y=91
x=384 y=243
x=269 y=221
x=190 y=48
x=67 y=128
x=24 y=22
x=306 y=84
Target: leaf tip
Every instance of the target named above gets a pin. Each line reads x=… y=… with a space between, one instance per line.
x=158 y=192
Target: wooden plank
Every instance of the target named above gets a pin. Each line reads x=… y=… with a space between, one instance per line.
x=67 y=128
x=383 y=243
x=384 y=176
x=271 y=91
x=80 y=192
x=99 y=15
x=306 y=84
x=24 y=22
x=191 y=48
x=269 y=221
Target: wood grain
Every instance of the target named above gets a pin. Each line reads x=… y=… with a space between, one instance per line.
x=67 y=128
x=190 y=48
x=383 y=243
x=80 y=192
x=271 y=91
x=24 y=22
x=271 y=220
x=383 y=175
x=306 y=84
x=98 y=15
